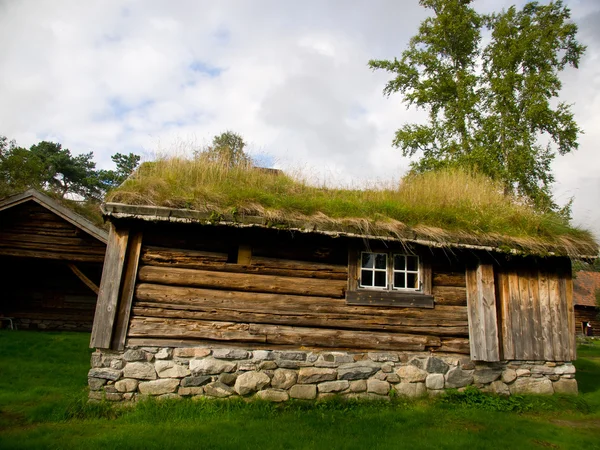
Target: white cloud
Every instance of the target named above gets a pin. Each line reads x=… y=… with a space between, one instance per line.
x=291 y=77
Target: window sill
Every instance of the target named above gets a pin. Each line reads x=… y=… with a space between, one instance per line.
x=389 y=298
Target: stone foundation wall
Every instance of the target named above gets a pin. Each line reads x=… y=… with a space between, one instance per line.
x=281 y=375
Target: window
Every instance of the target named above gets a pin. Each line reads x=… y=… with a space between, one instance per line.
x=388 y=278
x=389 y=271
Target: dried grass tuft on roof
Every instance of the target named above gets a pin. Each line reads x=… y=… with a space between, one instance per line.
x=447 y=207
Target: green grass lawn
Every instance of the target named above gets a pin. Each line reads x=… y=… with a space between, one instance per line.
x=43 y=392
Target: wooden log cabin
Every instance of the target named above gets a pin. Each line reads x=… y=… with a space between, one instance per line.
x=50 y=264
x=176 y=279
x=586 y=289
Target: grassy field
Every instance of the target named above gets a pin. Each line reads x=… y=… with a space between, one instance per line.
x=43 y=392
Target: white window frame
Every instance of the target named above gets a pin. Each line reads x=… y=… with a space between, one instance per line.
x=390 y=272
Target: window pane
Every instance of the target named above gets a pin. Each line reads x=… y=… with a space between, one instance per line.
x=366 y=278
x=412 y=280
x=399 y=262
x=412 y=263
x=380 y=279
x=367 y=260
x=380 y=261
x=399 y=280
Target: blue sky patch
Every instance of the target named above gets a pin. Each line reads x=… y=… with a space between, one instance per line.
x=202 y=67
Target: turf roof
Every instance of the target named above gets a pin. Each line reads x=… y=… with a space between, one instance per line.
x=449 y=208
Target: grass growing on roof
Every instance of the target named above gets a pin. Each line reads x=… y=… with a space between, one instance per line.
x=450 y=205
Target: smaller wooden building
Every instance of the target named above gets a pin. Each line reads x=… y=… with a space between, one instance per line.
x=586 y=287
x=50 y=264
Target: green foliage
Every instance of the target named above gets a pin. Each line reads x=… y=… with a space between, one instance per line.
x=499 y=117
x=227 y=149
x=126 y=164
x=42 y=405
x=50 y=167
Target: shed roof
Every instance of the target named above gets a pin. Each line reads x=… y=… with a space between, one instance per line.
x=585 y=286
x=56 y=208
x=442 y=209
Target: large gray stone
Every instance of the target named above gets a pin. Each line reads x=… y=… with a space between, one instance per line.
x=140 y=371
x=230 y=353
x=411 y=374
x=436 y=365
x=565 y=386
x=499 y=387
x=411 y=389
x=250 y=382
x=357 y=371
x=304 y=391
x=134 y=355
x=384 y=357
x=308 y=375
x=290 y=356
x=218 y=389
x=170 y=369
x=528 y=385
x=262 y=355
x=333 y=359
x=164 y=353
x=211 y=366
x=159 y=387
x=106 y=373
x=486 y=376
x=333 y=386
x=564 y=369
x=195 y=381
x=509 y=375
x=96 y=359
x=457 y=378
x=284 y=379
x=127 y=385
x=358 y=386
x=96 y=384
x=273 y=395
x=228 y=378
x=435 y=381
x=378 y=387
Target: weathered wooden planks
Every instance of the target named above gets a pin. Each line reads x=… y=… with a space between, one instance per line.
x=275 y=334
x=242 y=281
x=193 y=259
x=126 y=297
x=535 y=314
x=450 y=295
x=483 y=325
x=264 y=302
x=108 y=295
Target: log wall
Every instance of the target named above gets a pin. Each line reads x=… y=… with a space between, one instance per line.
x=46 y=294
x=190 y=289
x=32 y=231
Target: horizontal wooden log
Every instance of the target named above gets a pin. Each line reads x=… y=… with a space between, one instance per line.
x=193 y=259
x=44 y=239
x=279 y=335
x=49 y=246
x=449 y=279
x=242 y=282
x=389 y=298
x=454 y=345
x=262 y=302
x=57 y=255
x=342 y=321
x=450 y=295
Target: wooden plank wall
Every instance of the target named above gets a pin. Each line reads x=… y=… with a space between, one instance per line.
x=536 y=313
x=57 y=293
x=291 y=294
x=587 y=314
x=30 y=230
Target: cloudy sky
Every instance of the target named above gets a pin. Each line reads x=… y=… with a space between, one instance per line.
x=291 y=77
